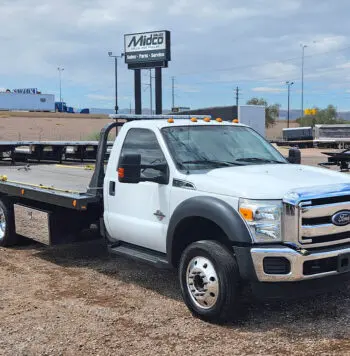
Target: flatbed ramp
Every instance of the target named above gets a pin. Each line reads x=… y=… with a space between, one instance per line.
x=67 y=178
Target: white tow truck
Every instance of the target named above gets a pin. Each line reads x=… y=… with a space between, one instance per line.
x=213 y=199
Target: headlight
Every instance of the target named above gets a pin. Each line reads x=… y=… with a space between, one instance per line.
x=263 y=218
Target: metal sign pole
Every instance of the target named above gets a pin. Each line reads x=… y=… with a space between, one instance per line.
x=138 y=105
x=159 y=109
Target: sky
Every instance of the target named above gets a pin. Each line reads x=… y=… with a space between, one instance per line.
x=216 y=46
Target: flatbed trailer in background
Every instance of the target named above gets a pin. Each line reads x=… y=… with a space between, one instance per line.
x=57 y=151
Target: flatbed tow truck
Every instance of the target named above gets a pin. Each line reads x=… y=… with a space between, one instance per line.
x=213 y=199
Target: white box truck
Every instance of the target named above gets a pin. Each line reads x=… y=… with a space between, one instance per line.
x=253 y=116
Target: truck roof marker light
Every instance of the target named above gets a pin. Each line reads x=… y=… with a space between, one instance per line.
x=3 y=178
x=74 y=203
x=246 y=213
x=193 y=119
x=235 y=121
x=206 y=119
x=170 y=121
x=121 y=172
x=219 y=119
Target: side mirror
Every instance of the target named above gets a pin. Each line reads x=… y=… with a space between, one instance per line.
x=129 y=170
x=294 y=156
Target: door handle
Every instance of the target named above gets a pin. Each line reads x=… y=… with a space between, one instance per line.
x=112 y=188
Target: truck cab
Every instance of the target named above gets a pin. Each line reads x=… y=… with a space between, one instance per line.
x=217 y=201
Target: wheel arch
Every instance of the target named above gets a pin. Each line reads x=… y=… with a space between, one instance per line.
x=202 y=218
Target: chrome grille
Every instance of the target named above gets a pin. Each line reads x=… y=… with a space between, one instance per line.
x=315 y=221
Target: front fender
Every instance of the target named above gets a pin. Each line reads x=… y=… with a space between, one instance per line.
x=214 y=209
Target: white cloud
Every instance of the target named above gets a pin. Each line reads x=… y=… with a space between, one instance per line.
x=268 y=90
x=274 y=70
x=187 y=88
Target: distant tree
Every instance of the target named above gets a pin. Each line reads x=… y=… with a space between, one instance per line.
x=322 y=116
x=271 y=111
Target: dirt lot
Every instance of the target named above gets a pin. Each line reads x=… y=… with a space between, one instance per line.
x=51 y=127
x=57 y=126
x=78 y=300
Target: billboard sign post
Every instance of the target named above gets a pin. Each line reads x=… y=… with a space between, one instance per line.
x=147 y=50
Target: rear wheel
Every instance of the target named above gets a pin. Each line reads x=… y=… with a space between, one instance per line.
x=209 y=279
x=8 y=236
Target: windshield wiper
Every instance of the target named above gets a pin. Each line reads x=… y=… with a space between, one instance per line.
x=213 y=162
x=258 y=159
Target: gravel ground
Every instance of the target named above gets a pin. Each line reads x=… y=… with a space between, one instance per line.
x=78 y=300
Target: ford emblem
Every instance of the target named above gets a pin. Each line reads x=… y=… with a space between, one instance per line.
x=341 y=218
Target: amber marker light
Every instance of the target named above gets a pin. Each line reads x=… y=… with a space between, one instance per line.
x=246 y=213
x=121 y=172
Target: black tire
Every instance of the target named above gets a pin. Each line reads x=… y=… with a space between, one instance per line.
x=8 y=236
x=228 y=285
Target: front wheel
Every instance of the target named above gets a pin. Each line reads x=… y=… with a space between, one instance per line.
x=209 y=279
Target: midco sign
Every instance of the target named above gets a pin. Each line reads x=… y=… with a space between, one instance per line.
x=147 y=50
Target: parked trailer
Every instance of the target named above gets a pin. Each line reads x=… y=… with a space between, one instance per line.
x=58 y=151
x=212 y=199
x=253 y=116
x=336 y=136
x=27 y=102
x=297 y=133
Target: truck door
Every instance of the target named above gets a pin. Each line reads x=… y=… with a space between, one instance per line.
x=139 y=213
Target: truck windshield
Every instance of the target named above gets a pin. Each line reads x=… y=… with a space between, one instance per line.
x=209 y=147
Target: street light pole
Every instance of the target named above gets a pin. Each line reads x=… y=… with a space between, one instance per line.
x=303 y=46
x=60 y=70
x=110 y=54
x=289 y=84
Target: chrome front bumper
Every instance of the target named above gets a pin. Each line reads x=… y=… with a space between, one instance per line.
x=296 y=260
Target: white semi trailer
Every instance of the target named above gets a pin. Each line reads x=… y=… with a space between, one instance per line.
x=27 y=102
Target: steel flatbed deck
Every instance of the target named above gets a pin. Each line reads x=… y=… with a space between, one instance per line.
x=61 y=185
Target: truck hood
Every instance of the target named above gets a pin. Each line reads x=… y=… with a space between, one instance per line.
x=272 y=181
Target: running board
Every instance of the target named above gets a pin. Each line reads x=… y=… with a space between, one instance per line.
x=141 y=254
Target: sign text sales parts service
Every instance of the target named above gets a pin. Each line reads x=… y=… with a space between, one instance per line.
x=147 y=46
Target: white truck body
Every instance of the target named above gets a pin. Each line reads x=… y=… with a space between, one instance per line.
x=211 y=198
x=27 y=102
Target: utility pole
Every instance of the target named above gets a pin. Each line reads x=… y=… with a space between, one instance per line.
x=237 y=96
x=150 y=85
x=289 y=84
x=173 y=92
x=151 y=91
x=110 y=54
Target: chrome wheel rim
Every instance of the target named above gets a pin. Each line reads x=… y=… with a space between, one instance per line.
x=2 y=223
x=202 y=282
